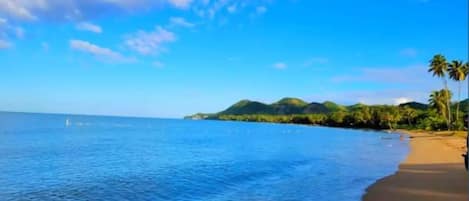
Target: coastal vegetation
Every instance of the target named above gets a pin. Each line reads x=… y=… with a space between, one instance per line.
x=439 y=114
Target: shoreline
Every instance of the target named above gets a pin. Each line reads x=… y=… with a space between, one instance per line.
x=433 y=171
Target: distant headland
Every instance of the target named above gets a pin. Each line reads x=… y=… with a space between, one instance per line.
x=411 y=115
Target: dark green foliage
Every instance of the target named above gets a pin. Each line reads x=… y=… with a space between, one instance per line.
x=333 y=107
x=291 y=101
x=249 y=107
x=285 y=106
x=464 y=106
x=415 y=105
x=439 y=114
x=411 y=115
x=289 y=106
x=314 y=108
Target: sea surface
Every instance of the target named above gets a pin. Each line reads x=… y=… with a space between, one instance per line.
x=72 y=157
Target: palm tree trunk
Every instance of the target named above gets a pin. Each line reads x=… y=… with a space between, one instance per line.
x=448 y=105
x=459 y=101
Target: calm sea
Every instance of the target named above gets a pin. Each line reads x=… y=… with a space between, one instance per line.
x=71 y=157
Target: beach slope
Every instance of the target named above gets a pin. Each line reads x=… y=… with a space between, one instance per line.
x=433 y=171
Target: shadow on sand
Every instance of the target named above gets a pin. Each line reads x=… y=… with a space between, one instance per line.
x=422 y=182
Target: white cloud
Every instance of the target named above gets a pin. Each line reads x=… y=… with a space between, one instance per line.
x=261 y=10
x=95 y=50
x=179 y=21
x=79 y=10
x=392 y=96
x=19 y=9
x=29 y=10
x=400 y=100
x=408 y=52
x=149 y=42
x=183 y=4
x=280 y=65
x=8 y=32
x=214 y=8
x=4 y=44
x=158 y=64
x=86 y=26
x=232 y=8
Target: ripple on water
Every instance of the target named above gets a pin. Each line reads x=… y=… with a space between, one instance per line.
x=154 y=159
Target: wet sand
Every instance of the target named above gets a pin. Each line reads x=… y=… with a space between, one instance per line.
x=433 y=171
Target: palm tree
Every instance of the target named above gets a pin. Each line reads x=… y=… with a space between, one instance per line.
x=439 y=67
x=410 y=114
x=438 y=100
x=457 y=72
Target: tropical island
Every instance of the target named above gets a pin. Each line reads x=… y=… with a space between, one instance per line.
x=440 y=113
x=436 y=130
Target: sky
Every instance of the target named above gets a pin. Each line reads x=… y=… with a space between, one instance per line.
x=171 y=58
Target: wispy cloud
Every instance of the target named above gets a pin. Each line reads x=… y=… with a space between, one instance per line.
x=401 y=100
x=261 y=10
x=212 y=9
x=20 y=9
x=158 y=64
x=149 y=42
x=4 y=44
x=408 y=52
x=396 y=75
x=232 y=8
x=87 y=26
x=45 y=46
x=30 y=10
x=77 y=10
x=183 y=4
x=179 y=21
x=9 y=32
x=379 y=96
x=97 y=51
x=3 y=21
x=280 y=65
x=19 y=32
x=315 y=60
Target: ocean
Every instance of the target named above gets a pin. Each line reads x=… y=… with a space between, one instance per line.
x=77 y=157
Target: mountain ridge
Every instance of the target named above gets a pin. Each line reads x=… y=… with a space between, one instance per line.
x=290 y=106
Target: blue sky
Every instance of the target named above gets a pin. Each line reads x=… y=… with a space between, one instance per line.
x=170 y=58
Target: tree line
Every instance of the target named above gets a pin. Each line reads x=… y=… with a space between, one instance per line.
x=441 y=114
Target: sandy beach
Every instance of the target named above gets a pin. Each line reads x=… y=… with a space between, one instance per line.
x=433 y=171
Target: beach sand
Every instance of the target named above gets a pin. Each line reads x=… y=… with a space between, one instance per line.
x=433 y=171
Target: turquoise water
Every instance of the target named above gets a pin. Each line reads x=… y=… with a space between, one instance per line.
x=67 y=157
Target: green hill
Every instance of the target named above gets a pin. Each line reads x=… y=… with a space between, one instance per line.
x=333 y=107
x=291 y=101
x=415 y=105
x=296 y=106
x=355 y=107
x=316 y=108
x=289 y=106
x=248 y=107
x=285 y=106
